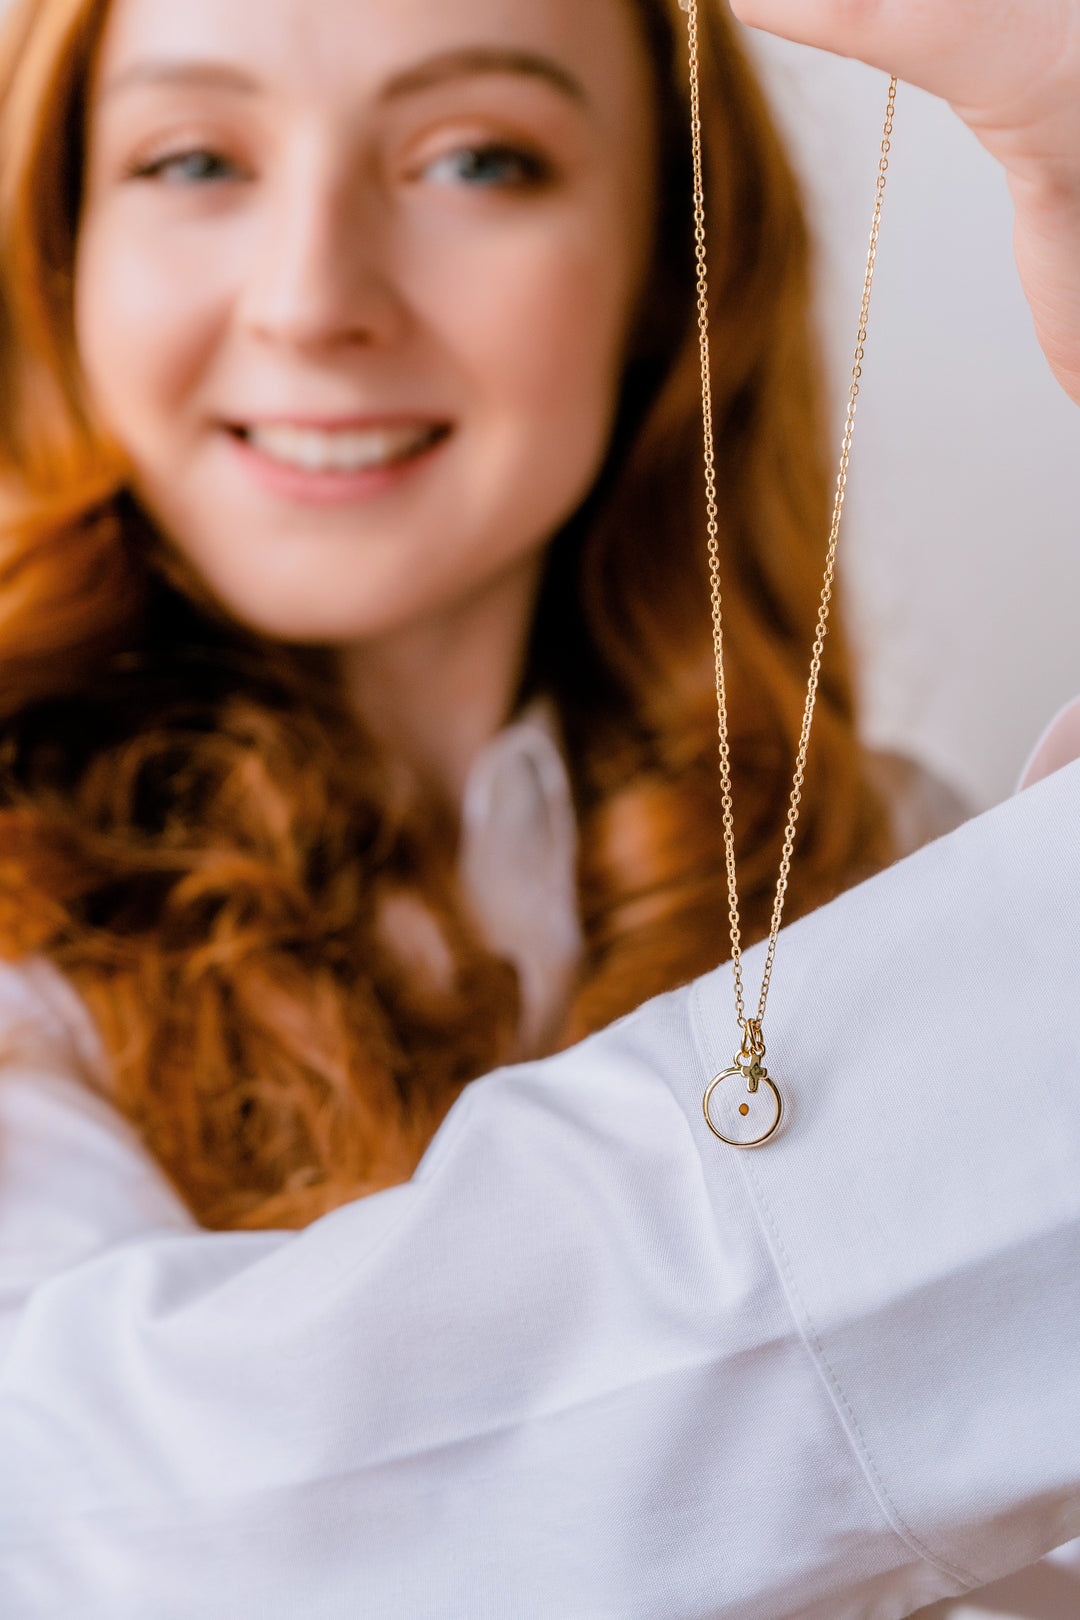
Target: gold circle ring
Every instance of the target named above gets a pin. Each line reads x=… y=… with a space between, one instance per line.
x=729 y=1074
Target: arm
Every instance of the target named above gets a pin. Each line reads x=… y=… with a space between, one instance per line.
x=590 y=1360
x=1012 y=73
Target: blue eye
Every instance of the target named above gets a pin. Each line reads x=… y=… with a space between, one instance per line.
x=489 y=166
x=196 y=167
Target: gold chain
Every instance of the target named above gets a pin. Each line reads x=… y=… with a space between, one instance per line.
x=753 y=1044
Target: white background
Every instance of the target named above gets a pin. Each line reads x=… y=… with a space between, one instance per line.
x=961 y=550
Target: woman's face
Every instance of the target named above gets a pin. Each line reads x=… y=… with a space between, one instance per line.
x=354 y=285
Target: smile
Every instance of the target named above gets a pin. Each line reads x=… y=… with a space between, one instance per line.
x=341 y=450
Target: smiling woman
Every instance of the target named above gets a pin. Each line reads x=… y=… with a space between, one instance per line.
x=356 y=305
x=350 y=394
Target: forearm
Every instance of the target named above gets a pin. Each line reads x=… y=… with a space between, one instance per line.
x=581 y=1348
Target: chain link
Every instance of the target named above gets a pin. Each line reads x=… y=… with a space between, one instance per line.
x=753 y=1045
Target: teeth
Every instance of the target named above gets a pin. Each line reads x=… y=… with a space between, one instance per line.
x=349 y=450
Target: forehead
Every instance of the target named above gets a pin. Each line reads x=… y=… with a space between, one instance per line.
x=354 y=47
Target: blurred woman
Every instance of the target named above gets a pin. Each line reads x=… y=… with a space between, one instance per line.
x=352 y=412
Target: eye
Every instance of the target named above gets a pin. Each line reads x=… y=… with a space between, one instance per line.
x=197 y=166
x=494 y=165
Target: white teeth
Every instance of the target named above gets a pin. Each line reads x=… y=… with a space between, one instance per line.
x=344 y=450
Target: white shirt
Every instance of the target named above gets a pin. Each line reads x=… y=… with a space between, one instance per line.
x=590 y=1362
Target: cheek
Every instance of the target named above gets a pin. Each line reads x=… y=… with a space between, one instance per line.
x=538 y=328
x=146 y=319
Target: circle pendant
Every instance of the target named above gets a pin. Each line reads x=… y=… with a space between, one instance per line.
x=739 y=1116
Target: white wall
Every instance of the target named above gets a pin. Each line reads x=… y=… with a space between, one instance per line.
x=962 y=541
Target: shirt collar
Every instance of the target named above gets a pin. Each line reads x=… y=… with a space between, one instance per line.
x=518 y=866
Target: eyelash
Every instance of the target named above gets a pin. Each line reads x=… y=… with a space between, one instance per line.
x=532 y=171
x=159 y=168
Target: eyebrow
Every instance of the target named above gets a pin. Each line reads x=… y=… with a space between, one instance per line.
x=212 y=75
x=481 y=59
x=428 y=75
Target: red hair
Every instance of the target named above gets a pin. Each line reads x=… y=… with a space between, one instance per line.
x=196 y=831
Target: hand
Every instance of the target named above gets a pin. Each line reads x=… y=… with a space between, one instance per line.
x=1011 y=70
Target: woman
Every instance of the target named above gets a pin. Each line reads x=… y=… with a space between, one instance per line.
x=346 y=423
x=348 y=357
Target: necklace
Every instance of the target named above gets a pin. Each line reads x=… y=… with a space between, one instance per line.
x=747 y=1117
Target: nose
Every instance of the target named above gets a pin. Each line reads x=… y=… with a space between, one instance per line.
x=321 y=278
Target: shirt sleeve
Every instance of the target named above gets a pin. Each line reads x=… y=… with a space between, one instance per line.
x=590 y=1362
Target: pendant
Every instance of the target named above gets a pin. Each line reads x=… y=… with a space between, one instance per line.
x=743 y=1117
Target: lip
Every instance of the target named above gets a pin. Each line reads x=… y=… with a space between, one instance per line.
x=332 y=487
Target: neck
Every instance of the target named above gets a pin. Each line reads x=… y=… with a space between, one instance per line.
x=433 y=693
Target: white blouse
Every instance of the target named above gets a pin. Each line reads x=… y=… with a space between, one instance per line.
x=589 y=1362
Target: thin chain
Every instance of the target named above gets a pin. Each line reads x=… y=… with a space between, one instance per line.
x=753 y=1044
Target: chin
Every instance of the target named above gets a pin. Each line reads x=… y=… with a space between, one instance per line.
x=301 y=591
x=314 y=626
x=329 y=617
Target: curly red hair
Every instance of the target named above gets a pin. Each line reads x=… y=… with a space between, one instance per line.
x=195 y=829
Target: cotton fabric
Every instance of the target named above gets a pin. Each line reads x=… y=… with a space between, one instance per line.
x=590 y=1362
x=518 y=865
